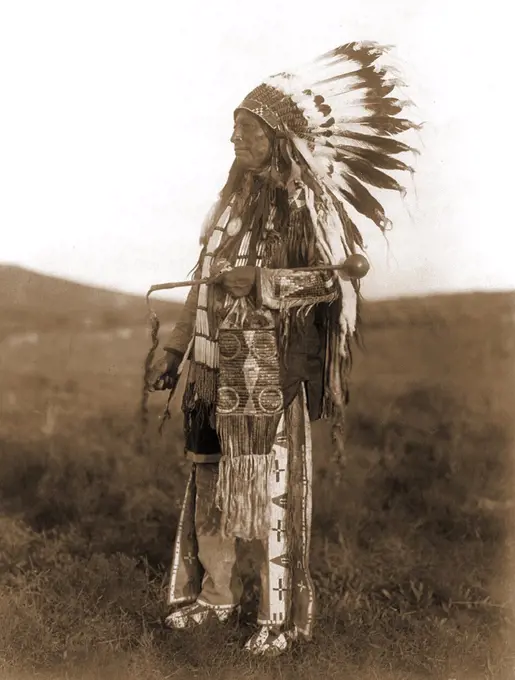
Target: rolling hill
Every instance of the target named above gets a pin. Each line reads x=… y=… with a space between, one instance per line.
x=33 y=302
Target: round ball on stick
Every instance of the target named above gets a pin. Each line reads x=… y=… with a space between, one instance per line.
x=355 y=266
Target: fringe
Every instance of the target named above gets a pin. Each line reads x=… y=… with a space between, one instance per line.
x=338 y=434
x=243 y=496
x=204 y=384
x=200 y=394
x=188 y=398
x=295 y=427
x=247 y=435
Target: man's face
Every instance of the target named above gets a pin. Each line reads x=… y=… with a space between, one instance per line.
x=252 y=146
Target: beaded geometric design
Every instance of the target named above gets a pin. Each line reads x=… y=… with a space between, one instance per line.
x=249 y=367
x=276 y=109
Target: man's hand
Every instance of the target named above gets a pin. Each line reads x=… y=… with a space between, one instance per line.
x=239 y=281
x=163 y=374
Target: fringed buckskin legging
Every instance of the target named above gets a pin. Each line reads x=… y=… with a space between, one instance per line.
x=205 y=565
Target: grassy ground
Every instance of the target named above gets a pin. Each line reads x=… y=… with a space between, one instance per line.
x=412 y=541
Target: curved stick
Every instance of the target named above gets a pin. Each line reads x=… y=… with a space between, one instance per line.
x=149 y=360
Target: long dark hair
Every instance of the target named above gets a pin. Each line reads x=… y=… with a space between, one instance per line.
x=254 y=194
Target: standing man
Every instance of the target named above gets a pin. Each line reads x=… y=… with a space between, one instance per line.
x=269 y=345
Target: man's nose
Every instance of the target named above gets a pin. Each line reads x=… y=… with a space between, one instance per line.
x=236 y=135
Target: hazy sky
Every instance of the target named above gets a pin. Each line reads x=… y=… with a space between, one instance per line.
x=116 y=118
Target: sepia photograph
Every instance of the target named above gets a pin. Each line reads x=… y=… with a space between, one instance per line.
x=257 y=348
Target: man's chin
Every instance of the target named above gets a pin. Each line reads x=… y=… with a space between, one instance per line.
x=245 y=162
x=243 y=157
